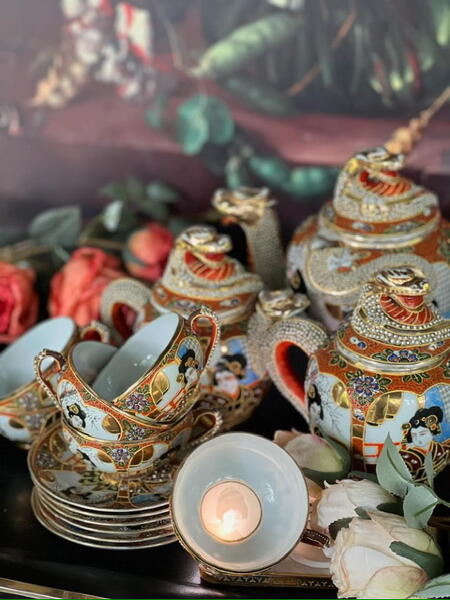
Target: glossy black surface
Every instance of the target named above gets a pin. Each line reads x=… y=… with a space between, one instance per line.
x=29 y=553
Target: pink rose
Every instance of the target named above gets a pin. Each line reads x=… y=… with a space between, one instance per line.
x=76 y=290
x=147 y=251
x=18 y=301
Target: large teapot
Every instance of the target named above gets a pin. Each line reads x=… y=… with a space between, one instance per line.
x=386 y=371
x=199 y=272
x=377 y=219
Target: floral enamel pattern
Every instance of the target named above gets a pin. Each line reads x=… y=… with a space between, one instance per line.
x=337 y=360
x=402 y=355
x=364 y=388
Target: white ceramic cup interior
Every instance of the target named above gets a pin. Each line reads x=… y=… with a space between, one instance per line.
x=16 y=362
x=137 y=356
x=269 y=473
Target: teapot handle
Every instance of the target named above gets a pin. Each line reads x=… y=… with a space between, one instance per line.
x=41 y=377
x=305 y=334
x=205 y=313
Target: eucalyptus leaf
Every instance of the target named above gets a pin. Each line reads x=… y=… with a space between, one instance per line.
x=439 y=587
x=336 y=526
x=394 y=508
x=342 y=452
x=112 y=214
x=57 y=226
x=362 y=513
x=320 y=477
x=159 y=191
x=429 y=469
x=363 y=475
x=155 y=210
x=115 y=190
x=135 y=189
x=155 y=114
x=392 y=472
x=418 y=505
x=432 y=564
x=192 y=126
x=220 y=122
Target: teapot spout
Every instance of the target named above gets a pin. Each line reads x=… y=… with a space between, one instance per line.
x=252 y=209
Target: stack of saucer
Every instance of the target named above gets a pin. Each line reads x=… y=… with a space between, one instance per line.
x=97 y=509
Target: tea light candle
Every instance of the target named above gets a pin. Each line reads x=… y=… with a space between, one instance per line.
x=230 y=511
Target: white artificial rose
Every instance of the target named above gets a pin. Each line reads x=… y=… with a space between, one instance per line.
x=338 y=501
x=364 y=566
x=310 y=450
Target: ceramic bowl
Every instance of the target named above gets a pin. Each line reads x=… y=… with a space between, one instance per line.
x=239 y=503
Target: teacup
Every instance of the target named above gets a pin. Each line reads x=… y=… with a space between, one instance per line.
x=24 y=405
x=112 y=456
x=152 y=379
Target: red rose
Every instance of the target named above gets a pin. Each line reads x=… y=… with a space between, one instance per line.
x=147 y=251
x=18 y=301
x=76 y=290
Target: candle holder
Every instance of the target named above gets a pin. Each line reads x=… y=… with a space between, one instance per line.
x=240 y=507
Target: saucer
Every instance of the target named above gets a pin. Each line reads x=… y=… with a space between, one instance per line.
x=65 y=476
x=141 y=535
x=122 y=544
x=119 y=528
x=75 y=514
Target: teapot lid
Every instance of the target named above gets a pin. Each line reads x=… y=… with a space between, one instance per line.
x=375 y=206
x=394 y=326
x=199 y=271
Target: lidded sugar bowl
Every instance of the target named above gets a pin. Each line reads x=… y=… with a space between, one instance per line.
x=377 y=219
x=200 y=272
x=385 y=372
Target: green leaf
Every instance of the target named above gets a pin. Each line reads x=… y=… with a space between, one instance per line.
x=246 y=43
x=363 y=475
x=220 y=122
x=159 y=191
x=260 y=96
x=135 y=189
x=439 y=587
x=394 y=508
x=115 y=190
x=237 y=173
x=155 y=114
x=362 y=513
x=429 y=469
x=179 y=224
x=155 y=210
x=112 y=215
x=432 y=564
x=418 y=505
x=336 y=526
x=392 y=472
x=320 y=477
x=57 y=226
x=192 y=127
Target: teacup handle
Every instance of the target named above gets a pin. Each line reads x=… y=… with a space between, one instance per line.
x=212 y=431
x=315 y=538
x=214 y=336
x=45 y=383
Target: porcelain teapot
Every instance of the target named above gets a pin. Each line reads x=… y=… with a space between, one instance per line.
x=199 y=271
x=377 y=219
x=385 y=371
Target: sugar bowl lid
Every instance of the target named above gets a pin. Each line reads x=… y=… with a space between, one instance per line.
x=395 y=327
x=200 y=271
x=375 y=206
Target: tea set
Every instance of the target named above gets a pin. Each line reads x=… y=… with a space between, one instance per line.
x=122 y=420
